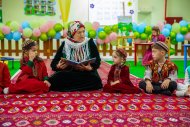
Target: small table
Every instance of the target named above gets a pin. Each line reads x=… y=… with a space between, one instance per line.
x=8 y=59
x=135 y=49
x=185 y=46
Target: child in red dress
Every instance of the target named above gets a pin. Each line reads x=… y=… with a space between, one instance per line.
x=4 y=76
x=33 y=78
x=118 y=77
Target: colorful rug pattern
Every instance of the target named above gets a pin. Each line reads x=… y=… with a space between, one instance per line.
x=94 y=108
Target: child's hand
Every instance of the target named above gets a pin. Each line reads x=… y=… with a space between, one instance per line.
x=165 y=84
x=47 y=83
x=149 y=87
x=32 y=55
x=113 y=83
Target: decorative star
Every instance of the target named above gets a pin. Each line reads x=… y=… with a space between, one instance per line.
x=129 y=4
x=91 y=5
x=131 y=11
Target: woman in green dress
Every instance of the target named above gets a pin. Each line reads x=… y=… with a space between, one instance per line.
x=76 y=48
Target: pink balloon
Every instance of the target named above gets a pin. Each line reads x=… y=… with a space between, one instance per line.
x=64 y=33
x=161 y=38
x=95 y=25
x=99 y=41
x=113 y=36
x=44 y=28
x=107 y=40
x=20 y=29
x=36 y=32
x=51 y=24
x=6 y=30
x=187 y=36
x=160 y=25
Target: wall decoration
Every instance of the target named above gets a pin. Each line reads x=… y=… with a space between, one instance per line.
x=40 y=7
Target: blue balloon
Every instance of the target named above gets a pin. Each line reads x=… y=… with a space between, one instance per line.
x=86 y=33
x=100 y=29
x=165 y=32
x=9 y=36
x=141 y=28
x=16 y=36
x=135 y=27
x=58 y=35
x=168 y=26
x=183 y=23
x=129 y=40
x=25 y=24
x=179 y=37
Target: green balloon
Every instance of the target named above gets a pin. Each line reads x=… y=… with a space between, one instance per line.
x=27 y=32
x=172 y=51
x=8 y=23
x=43 y=37
x=92 y=34
x=34 y=24
x=88 y=26
x=58 y=27
x=14 y=26
x=148 y=30
x=34 y=38
x=144 y=36
x=51 y=33
x=102 y=35
x=183 y=30
x=176 y=27
x=107 y=29
x=136 y=34
x=172 y=35
x=113 y=43
x=1 y=36
x=115 y=28
x=174 y=42
x=188 y=27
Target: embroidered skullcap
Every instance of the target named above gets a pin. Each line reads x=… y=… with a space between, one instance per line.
x=74 y=27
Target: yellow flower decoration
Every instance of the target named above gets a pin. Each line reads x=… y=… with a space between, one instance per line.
x=129 y=4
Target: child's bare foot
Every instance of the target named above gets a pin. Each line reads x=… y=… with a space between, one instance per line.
x=47 y=83
x=6 y=90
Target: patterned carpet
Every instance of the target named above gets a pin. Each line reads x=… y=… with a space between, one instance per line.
x=94 y=108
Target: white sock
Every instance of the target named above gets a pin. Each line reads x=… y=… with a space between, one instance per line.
x=6 y=90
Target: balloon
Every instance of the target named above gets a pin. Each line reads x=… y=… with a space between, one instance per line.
x=148 y=30
x=14 y=26
x=20 y=29
x=43 y=37
x=86 y=33
x=9 y=36
x=1 y=36
x=25 y=24
x=34 y=38
x=92 y=34
x=136 y=34
x=8 y=23
x=99 y=41
x=107 y=29
x=16 y=36
x=115 y=28
x=58 y=35
x=27 y=32
x=187 y=36
x=88 y=26
x=36 y=32
x=51 y=33
x=173 y=41
x=183 y=23
x=179 y=37
x=95 y=25
x=143 y=36
x=165 y=32
x=113 y=43
x=188 y=27
x=135 y=27
x=102 y=35
x=44 y=28
x=168 y=26
x=141 y=28
x=129 y=40
x=100 y=29
x=58 y=27
x=51 y=23
x=107 y=40
x=172 y=35
x=34 y=24
x=172 y=51
x=1 y=25
x=160 y=25
x=176 y=27
x=6 y=30
x=64 y=33
x=183 y=30
x=113 y=36
x=161 y=38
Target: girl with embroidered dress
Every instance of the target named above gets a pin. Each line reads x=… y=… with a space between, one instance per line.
x=118 y=77
x=76 y=48
x=184 y=89
x=33 y=77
